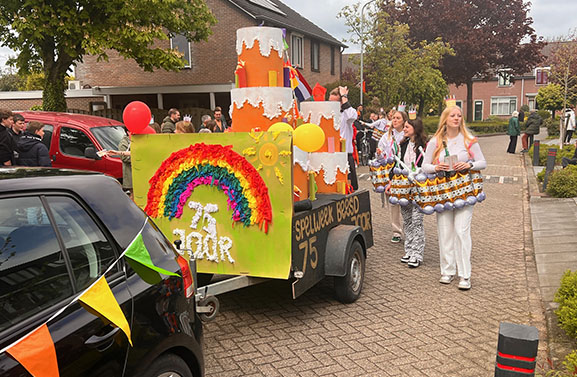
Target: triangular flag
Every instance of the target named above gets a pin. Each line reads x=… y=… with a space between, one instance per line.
x=139 y=259
x=319 y=92
x=100 y=301
x=36 y=353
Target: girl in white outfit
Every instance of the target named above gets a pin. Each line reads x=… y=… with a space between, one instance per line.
x=454 y=227
x=389 y=145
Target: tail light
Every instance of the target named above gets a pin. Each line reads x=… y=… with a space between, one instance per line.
x=186 y=276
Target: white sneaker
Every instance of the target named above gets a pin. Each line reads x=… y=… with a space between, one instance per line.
x=465 y=284
x=406 y=258
x=446 y=279
x=414 y=262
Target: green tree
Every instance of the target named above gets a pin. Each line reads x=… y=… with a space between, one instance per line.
x=550 y=97
x=9 y=81
x=396 y=68
x=51 y=37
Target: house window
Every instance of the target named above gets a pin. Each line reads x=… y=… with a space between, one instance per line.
x=504 y=77
x=332 y=60
x=531 y=102
x=503 y=105
x=459 y=103
x=297 y=50
x=542 y=76
x=180 y=43
x=315 y=56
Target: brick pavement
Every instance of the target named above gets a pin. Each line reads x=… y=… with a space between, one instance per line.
x=405 y=323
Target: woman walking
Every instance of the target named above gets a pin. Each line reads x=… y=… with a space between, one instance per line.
x=413 y=228
x=389 y=146
x=513 y=131
x=454 y=226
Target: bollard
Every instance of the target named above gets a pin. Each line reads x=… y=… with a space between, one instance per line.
x=536 y=146
x=551 y=155
x=516 y=350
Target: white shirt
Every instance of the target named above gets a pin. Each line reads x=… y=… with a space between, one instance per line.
x=456 y=147
x=571 y=122
x=348 y=116
x=380 y=124
x=385 y=144
x=410 y=155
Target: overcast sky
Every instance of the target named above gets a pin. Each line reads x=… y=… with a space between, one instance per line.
x=551 y=18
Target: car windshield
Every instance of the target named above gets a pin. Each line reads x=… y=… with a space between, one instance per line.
x=109 y=136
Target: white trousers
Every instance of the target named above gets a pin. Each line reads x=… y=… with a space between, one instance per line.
x=395 y=210
x=454 y=230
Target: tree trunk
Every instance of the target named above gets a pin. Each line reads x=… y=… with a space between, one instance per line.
x=53 y=98
x=421 y=107
x=469 y=100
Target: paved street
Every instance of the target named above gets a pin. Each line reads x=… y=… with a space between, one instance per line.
x=405 y=323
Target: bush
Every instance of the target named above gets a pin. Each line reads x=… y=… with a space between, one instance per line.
x=541 y=175
x=36 y=108
x=563 y=184
x=488 y=127
x=570 y=363
x=567 y=151
x=545 y=114
x=552 y=127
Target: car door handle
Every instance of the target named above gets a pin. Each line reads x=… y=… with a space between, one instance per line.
x=102 y=342
x=53 y=157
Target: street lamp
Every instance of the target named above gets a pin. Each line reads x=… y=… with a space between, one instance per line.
x=362 y=45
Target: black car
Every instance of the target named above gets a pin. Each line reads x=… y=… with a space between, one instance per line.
x=59 y=231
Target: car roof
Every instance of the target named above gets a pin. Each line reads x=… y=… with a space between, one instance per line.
x=81 y=120
x=101 y=193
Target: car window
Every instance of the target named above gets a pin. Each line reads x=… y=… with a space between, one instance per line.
x=33 y=273
x=109 y=137
x=48 y=131
x=89 y=251
x=73 y=141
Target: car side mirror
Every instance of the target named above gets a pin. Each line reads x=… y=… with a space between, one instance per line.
x=90 y=152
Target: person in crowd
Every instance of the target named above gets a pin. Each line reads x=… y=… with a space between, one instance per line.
x=124 y=153
x=387 y=147
x=219 y=119
x=169 y=123
x=211 y=125
x=348 y=117
x=532 y=127
x=31 y=149
x=521 y=116
x=413 y=227
x=360 y=112
x=204 y=131
x=570 y=123
x=203 y=120
x=18 y=127
x=184 y=127
x=513 y=131
x=454 y=227
x=570 y=161
x=7 y=144
x=156 y=127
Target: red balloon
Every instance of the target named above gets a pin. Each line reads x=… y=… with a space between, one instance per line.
x=147 y=130
x=136 y=116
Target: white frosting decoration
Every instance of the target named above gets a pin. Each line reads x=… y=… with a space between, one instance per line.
x=275 y=100
x=327 y=109
x=268 y=38
x=329 y=163
x=300 y=157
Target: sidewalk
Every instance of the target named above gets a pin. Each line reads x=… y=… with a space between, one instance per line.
x=554 y=225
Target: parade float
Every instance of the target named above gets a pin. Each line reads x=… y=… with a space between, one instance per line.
x=269 y=199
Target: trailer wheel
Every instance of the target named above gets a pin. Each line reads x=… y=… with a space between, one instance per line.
x=348 y=288
x=213 y=304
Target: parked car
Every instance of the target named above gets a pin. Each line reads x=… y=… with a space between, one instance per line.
x=73 y=140
x=59 y=231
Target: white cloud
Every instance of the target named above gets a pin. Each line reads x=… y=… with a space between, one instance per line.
x=553 y=18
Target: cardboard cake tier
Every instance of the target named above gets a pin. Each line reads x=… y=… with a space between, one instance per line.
x=327 y=114
x=259 y=107
x=260 y=49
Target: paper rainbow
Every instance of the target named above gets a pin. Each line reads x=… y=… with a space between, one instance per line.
x=211 y=165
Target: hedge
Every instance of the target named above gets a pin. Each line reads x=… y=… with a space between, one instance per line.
x=567 y=151
x=566 y=296
x=563 y=184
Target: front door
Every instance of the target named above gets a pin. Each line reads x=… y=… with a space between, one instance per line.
x=478 y=111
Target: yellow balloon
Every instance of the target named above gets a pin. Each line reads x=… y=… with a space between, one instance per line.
x=309 y=137
x=280 y=127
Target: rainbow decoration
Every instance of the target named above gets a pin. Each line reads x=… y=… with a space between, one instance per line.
x=210 y=165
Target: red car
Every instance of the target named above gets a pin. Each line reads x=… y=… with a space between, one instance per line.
x=73 y=140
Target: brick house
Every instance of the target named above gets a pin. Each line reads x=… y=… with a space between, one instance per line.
x=206 y=80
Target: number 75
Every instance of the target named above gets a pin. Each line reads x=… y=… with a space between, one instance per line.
x=309 y=248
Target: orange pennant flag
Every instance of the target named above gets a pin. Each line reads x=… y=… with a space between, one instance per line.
x=36 y=353
x=100 y=301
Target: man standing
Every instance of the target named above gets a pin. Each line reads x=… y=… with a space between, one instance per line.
x=18 y=127
x=7 y=144
x=219 y=119
x=169 y=123
x=348 y=116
